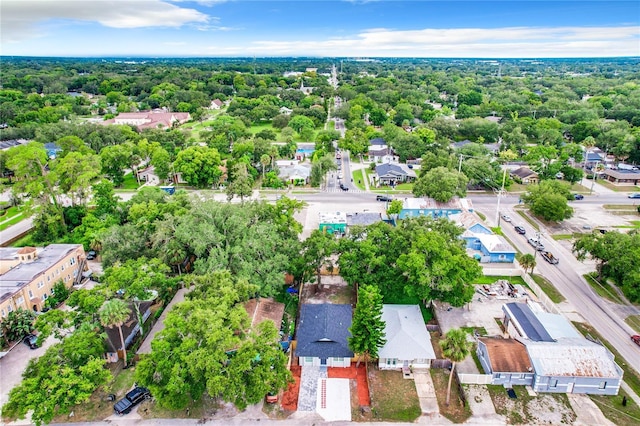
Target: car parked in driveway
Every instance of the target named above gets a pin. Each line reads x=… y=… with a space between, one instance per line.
x=91 y=255
x=130 y=400
x=31 y=340
x=520 y=230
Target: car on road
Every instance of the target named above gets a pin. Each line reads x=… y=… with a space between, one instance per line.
x=130 y=400
x=31 y=340
x=384 y=198
x=520 y=230
x=340 y=176
x=636 y=339
x=506 y=218
x=536 y=244
x=343 y=187
x=578 y=196
x=634 y=195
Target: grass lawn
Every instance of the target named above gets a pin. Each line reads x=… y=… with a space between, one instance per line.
x=620 y=207
x=548 y=288
x=483 y=217
x=393 y=398
x=12 y=221
x=576 y=187
x=560 y=237
x=130 y=182
x=602 y=289
x=517 y=188
x=613 y=187
x=358 y=179
x=526 y=217
x=456 y=411
x=542 y=409
x=490 y=279
x=405 y=187
x=630 y=376
x=611 y=407
x=635 y=224
x=634 y=322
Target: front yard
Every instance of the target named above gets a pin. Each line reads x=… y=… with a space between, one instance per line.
x=545 y=408
x=392 y=397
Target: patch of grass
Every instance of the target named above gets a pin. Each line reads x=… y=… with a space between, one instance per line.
x=481 y=330
x=490 y=279
x=497 y=230
x=561 y=237
x=10 y=222
x=456 y=411
x=634 y=322
x=518 y=187
x=405 y=187
x=130 y=182
x=392 y=397
x=612 y=408
x=204 y=407
x=526 y=217
x=427 y=314
x=548 y=288
x=358 y=179
x=483 y=217
x=602 y=289
x=631 y=377
x=576 y=187
x=619 y=207
x=616 y=188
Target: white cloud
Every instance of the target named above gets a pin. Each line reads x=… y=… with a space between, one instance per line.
x=21 y=19
x=463 y=42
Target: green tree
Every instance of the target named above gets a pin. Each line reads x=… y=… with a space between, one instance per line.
x=74 y=173
x=161 y=162
x=115 y=159
x=367 y=327
x=549 y=200
x=395 y=207
x=242 y=183
x=528 y=262
x=455 y=347
x=571 y=174
x=300 y=122
x=315 y=254
x=200 y=166
x=441 y=184
x=265 y=160
x=17 y=324
x=105 y=199
x=114 y=313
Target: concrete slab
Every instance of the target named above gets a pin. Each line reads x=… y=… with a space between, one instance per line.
x=481 y=405
x=307 y=397
x=587 y=411
x=426 y=392
x=333 y=399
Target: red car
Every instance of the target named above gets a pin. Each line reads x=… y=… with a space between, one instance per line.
x=636 y=339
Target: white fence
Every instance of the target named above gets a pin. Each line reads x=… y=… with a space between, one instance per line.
x=474 y=379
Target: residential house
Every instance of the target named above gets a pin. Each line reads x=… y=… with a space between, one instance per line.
x=322 y=335
x=377 y=142
x=481 y=242
x=216 y=104
x=493 y=119
x=4 y=145
x=429 y=207
x=592 y=157
x=52 y=149
x=333 y=223
x=408 y=343
x=28 y=274
x=286 y=111
x=296 y=174
x=393 y=174
x=524 y=175
x=506 y=360
x=130 y=328
x=562 y=361
x=150 y=119
x=381 y=154
x=622 y=177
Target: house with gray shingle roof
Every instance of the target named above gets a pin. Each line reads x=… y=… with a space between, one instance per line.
x=322 y=335
x=393 y=173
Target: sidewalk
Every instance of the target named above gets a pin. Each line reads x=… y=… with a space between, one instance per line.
x=597 y=188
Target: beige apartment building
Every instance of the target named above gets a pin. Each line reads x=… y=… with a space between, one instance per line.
x=28 y=274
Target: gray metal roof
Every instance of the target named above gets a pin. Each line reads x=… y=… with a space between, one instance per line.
x=527 y=322
x=366 y=218
x=406 y=334
x=323 y=331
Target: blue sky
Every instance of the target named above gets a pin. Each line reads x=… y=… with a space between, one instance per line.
x=525 y=28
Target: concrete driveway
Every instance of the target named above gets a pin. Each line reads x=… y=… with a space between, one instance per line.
x=13 y=364
x=145 y=347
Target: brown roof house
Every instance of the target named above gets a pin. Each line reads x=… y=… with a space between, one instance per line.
x=150 y=119
x=506 y=360
x=260 y=310
x=129 y=330
x=524 y=175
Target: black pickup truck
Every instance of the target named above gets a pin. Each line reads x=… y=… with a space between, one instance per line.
x=549 y=257
x=131 y=399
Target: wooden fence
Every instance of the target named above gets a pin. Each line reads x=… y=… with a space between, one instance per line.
x=440 y=363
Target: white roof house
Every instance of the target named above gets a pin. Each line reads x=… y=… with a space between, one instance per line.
x=408 y=341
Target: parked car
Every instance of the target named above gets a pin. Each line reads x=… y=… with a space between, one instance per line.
x=384 y=198
x=31 y=340
x=635 y=195
x=578 y=196
x=636 y=339
x=506 y=218
x=520 y=230
x=130 y=400
x=91 y=255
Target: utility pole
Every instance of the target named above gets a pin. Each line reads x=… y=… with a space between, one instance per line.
x=595 y=176
x=460 y=164
x=500 y=194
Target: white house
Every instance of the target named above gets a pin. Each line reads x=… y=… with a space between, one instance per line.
x=408 y=341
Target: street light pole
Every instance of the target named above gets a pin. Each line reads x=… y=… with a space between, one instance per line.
x=500 y=194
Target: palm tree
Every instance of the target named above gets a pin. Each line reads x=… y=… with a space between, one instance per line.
x=265 y=160
x=114 y=313
x=528 y=262
x=455 y=347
